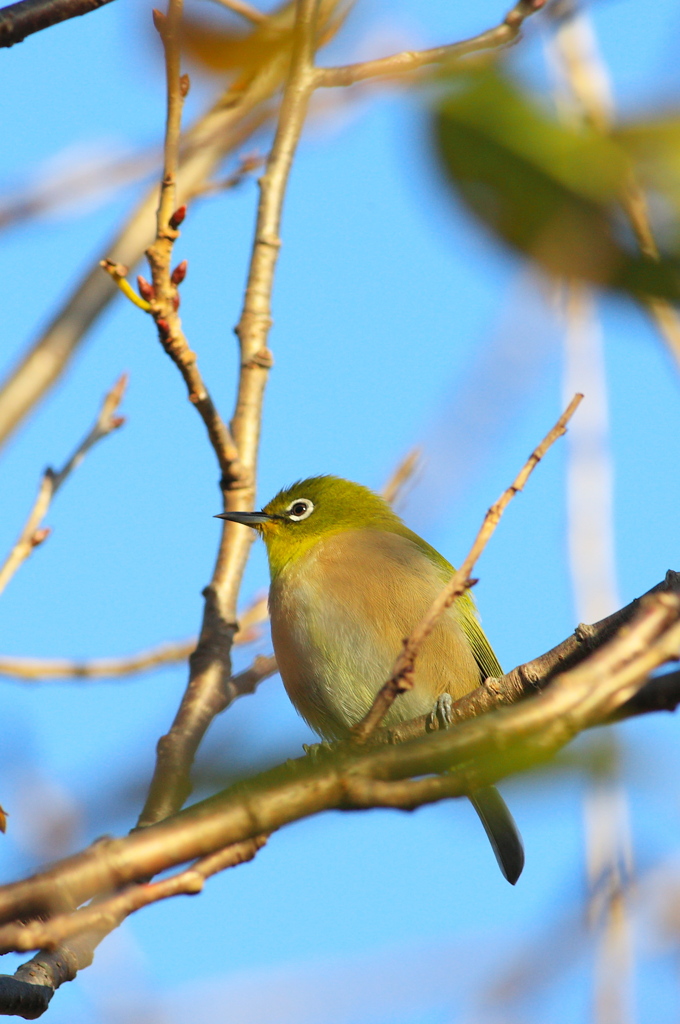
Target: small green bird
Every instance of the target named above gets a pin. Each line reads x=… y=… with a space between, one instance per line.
x=349 y=581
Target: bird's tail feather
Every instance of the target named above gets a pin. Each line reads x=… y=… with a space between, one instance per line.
x=501 y=829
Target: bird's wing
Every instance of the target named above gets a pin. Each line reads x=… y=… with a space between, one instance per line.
x=481 y=648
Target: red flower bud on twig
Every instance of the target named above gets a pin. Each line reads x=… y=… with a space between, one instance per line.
x=184 y=85
x=145 y=289
x=177 y=217
x=179 y=273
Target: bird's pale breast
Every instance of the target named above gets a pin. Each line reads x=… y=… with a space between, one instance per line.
x=339 y=615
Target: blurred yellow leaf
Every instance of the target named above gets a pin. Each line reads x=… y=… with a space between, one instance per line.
x=245 y=52
x=545 y=188
x=3 y=820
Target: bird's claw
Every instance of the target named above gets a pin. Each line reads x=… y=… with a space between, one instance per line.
x=441 y=715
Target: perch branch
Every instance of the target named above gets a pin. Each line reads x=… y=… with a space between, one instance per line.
x=32 y=534
x=402 y=674
x=477 y=752
x=532 y=676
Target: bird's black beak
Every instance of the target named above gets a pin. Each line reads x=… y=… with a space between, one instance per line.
x=253 y=519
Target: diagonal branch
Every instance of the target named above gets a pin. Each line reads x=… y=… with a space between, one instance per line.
x=28 y=16
x=401 y=679
x=32 y=535
x=411 y=60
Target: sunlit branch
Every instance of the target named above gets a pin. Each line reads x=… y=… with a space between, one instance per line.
x=107 y=914
x=411 y=60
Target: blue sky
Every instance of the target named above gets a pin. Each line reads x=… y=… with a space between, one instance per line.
x=397 y=322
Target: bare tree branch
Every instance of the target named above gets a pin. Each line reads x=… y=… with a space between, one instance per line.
x=32 y=535
x=226 y=125
x=401 y=679
x=109 y=913
x=403 y=477
x=28 y=16
x=411 y=60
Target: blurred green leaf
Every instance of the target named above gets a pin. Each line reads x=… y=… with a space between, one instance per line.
x=654 y=146
x=547 y=189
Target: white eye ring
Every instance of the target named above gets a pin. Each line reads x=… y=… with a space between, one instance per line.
x=307 y=506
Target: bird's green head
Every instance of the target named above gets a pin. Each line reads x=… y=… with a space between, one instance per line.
x=311 y=510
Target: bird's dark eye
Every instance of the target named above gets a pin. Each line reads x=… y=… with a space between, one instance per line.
x=300 y=509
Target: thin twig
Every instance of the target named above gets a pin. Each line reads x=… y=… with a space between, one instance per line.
x=32 y=534
x=401 y=679
x=162 y=297
x=411 y=60
x=403 y=477
x=28 y=16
